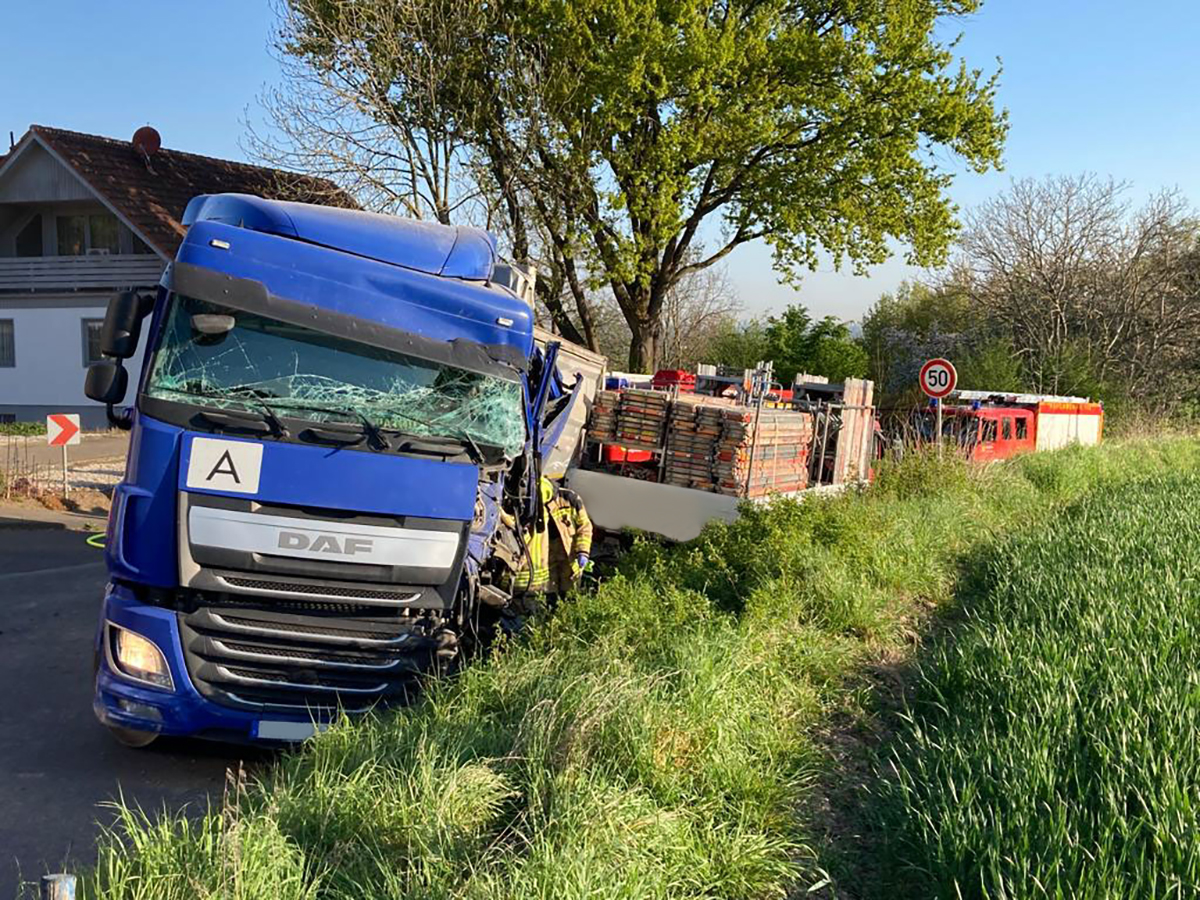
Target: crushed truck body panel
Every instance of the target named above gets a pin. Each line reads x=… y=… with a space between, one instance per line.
x=573 y=362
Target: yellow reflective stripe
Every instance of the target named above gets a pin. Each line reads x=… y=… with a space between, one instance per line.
x=521 y=581
x=539 y=553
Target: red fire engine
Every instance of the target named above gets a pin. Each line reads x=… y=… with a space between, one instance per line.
x=990 y=426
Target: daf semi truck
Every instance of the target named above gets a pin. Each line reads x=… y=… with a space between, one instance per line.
x=336 y=437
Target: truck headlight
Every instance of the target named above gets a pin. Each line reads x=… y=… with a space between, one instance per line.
x=137 y=658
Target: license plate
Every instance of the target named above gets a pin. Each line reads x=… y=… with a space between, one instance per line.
x=267 y=730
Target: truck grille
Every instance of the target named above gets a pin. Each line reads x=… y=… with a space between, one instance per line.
x=293 y=589
x=253 y=658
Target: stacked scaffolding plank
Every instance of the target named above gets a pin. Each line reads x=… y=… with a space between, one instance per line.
x=693 y=430
x=852 y=461
x=602 y=424
x=767 y=456
x=641 y=419
x=709 y=443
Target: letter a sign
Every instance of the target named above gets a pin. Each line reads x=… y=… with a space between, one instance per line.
x=218 y=465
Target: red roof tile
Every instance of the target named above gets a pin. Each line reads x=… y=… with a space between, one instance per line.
x=152 y=195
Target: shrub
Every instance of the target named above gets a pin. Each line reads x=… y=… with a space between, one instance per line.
x=22 y=428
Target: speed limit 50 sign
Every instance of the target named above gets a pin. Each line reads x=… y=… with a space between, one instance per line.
x=938 y=378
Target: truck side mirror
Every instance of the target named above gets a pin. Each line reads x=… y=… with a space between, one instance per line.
x=106 y=382
x=123 y=324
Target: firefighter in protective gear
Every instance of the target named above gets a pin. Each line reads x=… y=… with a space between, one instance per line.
x=558 y=544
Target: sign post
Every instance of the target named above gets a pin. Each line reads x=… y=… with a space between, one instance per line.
x=62 y=430
x=938 y=378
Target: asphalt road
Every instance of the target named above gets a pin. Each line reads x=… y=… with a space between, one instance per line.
x=56 y=762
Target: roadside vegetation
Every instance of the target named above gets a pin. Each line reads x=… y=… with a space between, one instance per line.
x=664 y=734
x=22 y=428
x=1051 y=750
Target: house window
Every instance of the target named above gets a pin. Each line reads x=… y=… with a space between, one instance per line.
x=96 y=233
x=91 y=340
x=1022 y=429
x=103 y=236
x=72 y=235
x=29 y=238
x=8 y=350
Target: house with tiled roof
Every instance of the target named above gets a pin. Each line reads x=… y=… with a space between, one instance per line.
x=83 y=217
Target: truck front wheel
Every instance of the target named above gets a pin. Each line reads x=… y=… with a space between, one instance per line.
x=130 y=737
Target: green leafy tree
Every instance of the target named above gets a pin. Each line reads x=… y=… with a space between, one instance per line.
x=915 y=321
x=991 y=365
x=796 y=343
x=644 y=140
x=737 y=345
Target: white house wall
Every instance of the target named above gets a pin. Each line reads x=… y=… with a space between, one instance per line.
x=49 y=371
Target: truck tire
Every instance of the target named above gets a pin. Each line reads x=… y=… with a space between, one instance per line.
x=129 y=737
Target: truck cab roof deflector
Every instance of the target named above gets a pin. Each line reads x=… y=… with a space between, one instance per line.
x=248 y=295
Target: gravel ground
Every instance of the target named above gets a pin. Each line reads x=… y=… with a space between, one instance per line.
x=94 y=474
x=97 y=474
x=91 y=484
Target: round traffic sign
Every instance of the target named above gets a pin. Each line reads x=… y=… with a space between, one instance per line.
x=938 y=378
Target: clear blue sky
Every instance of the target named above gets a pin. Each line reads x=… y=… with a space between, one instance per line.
x=1090 y=85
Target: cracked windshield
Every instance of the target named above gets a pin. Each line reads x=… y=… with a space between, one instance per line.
x=254 y=361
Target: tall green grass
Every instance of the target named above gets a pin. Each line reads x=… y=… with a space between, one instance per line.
x=655 y=738
x=1054 y=746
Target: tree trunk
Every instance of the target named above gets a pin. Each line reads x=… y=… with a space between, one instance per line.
x=549 y=290
x=643 y=346
x=643 y=309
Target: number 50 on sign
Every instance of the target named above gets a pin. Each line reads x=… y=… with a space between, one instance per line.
x=938 y=378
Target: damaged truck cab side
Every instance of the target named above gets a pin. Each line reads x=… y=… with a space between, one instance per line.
x=334 y=410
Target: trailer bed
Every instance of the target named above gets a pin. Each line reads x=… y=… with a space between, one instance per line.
x=677 y=513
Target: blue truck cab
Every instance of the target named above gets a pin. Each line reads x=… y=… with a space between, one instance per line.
x=337 y=411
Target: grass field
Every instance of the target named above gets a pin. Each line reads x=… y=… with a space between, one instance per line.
x=661 y=736
x=1053 y=748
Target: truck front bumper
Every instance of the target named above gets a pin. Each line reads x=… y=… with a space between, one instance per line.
x=121 y=702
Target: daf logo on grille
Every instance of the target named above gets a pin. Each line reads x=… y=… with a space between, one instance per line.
x=325 y=543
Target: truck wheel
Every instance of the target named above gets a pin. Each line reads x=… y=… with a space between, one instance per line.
x=132 y=738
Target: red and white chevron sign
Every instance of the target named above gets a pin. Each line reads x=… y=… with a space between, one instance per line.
x=62 y=429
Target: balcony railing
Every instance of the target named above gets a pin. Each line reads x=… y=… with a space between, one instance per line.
x=57 y=273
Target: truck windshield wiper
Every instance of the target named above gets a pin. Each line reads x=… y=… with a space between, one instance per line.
x=272 y=406
x=235 y=417
x=460 y=436
x=377 y=436
x=476 y=453
x=369 y=427
x=268 y=413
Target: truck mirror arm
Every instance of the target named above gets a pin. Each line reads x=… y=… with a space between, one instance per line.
x=122 y=420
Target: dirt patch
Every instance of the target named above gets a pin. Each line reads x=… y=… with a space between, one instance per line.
x=87 y=501
x=838 y=811
x=51 y=501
